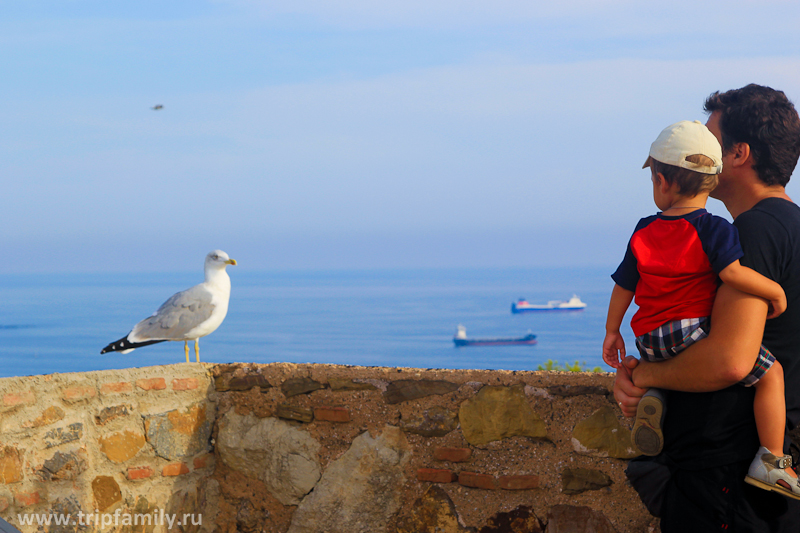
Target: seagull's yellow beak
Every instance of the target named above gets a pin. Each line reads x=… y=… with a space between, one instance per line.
x=230 y=262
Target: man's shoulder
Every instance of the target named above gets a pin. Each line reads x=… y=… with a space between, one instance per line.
x=772 y=216
x=771 y=209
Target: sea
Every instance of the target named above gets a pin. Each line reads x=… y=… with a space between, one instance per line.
x=56 y=323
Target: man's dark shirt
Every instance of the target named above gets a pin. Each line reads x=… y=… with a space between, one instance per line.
x=703 y=430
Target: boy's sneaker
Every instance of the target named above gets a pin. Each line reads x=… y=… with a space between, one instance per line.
x=767 y=472
x=646 y=436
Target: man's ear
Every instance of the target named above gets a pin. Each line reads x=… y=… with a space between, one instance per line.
x=741 y=154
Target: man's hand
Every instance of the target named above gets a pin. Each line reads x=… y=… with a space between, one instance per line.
x=625 y=392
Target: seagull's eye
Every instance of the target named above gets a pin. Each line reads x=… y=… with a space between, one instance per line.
x=216 y=256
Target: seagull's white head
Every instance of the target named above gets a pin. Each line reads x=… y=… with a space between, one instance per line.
x=218 y=260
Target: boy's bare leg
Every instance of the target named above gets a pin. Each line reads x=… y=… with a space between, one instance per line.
x=769 y=408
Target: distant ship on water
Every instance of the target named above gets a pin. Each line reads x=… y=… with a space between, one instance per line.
x=573 y=304
x=460 y=339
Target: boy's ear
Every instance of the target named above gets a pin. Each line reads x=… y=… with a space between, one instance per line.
x=662 y=182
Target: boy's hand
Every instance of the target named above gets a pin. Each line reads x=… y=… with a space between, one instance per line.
x=777 y=306
x=613 y=349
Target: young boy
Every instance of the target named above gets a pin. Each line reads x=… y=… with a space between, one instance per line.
x=672 y=265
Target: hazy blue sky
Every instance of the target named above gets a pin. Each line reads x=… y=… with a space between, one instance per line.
x=318 y=134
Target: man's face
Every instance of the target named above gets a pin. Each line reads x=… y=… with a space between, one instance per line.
x=713 y=126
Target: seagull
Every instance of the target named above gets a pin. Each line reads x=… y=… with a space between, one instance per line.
x=187 y=315
x=157 y=107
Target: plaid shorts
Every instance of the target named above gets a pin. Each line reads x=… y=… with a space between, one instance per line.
x=670 y=339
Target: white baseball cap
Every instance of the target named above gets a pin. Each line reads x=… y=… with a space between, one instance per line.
x=683 y=139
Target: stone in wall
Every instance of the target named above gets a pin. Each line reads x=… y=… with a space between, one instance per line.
x=249 y=519
x=197 y=505
x=601 y=435
x=180 y=433
x=29 y=497
x=572 y=519
x=434 y=511
x=106 y=492
x=294 y=386
x=567 y=391
x=63 y=435
x=361 y=490
x=283 y=457
x=405 y=390
x=62 y=507
x=577 y=480
x=454 y=455
x=294 y=412
x=64 y=465
x=519 y=520
x=107 y=414
x=208 y=504
x=434 y=422
x=344 y=384
x=121 y=445
x=496 y=413
x=141 y=510
x=14 y=400
x=6 y=499
x=229 y=382
x=10 y=464
x=49 y=416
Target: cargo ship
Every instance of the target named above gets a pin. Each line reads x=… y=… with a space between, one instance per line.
x=573 y=304
x=460 y=339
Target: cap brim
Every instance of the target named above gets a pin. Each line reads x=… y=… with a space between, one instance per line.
x=647 y=162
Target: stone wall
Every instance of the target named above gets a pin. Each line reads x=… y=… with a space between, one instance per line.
x=135 y=440
x=316 y=448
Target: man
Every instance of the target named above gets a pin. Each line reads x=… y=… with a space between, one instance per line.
x=709 y=428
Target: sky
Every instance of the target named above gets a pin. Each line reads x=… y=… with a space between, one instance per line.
x=309 y=134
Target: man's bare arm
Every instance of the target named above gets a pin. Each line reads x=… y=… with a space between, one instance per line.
x=722 y=359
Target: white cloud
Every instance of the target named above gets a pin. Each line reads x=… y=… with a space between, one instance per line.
x=357 y=13
x=593 y=17
x=444 y=148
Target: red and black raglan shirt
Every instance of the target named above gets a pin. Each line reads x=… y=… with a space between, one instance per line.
x=672 y=264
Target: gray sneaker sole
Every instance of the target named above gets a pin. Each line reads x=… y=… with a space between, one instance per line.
x=647 y=436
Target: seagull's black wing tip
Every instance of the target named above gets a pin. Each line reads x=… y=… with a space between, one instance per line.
x=125 y=344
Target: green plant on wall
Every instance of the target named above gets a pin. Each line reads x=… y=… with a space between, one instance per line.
x=575 y=367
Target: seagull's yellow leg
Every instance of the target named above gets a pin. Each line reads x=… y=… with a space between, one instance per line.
x=197 y=349
x=186 y=349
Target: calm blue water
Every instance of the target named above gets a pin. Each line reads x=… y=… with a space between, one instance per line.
x=58 y=323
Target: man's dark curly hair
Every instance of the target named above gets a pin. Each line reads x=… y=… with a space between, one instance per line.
x=766 y=120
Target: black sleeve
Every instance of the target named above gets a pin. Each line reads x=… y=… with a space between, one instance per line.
x=627 y=273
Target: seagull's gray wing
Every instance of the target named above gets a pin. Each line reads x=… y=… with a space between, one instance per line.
x=176 y=317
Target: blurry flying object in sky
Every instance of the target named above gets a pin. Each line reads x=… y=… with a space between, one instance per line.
x=157 y=107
